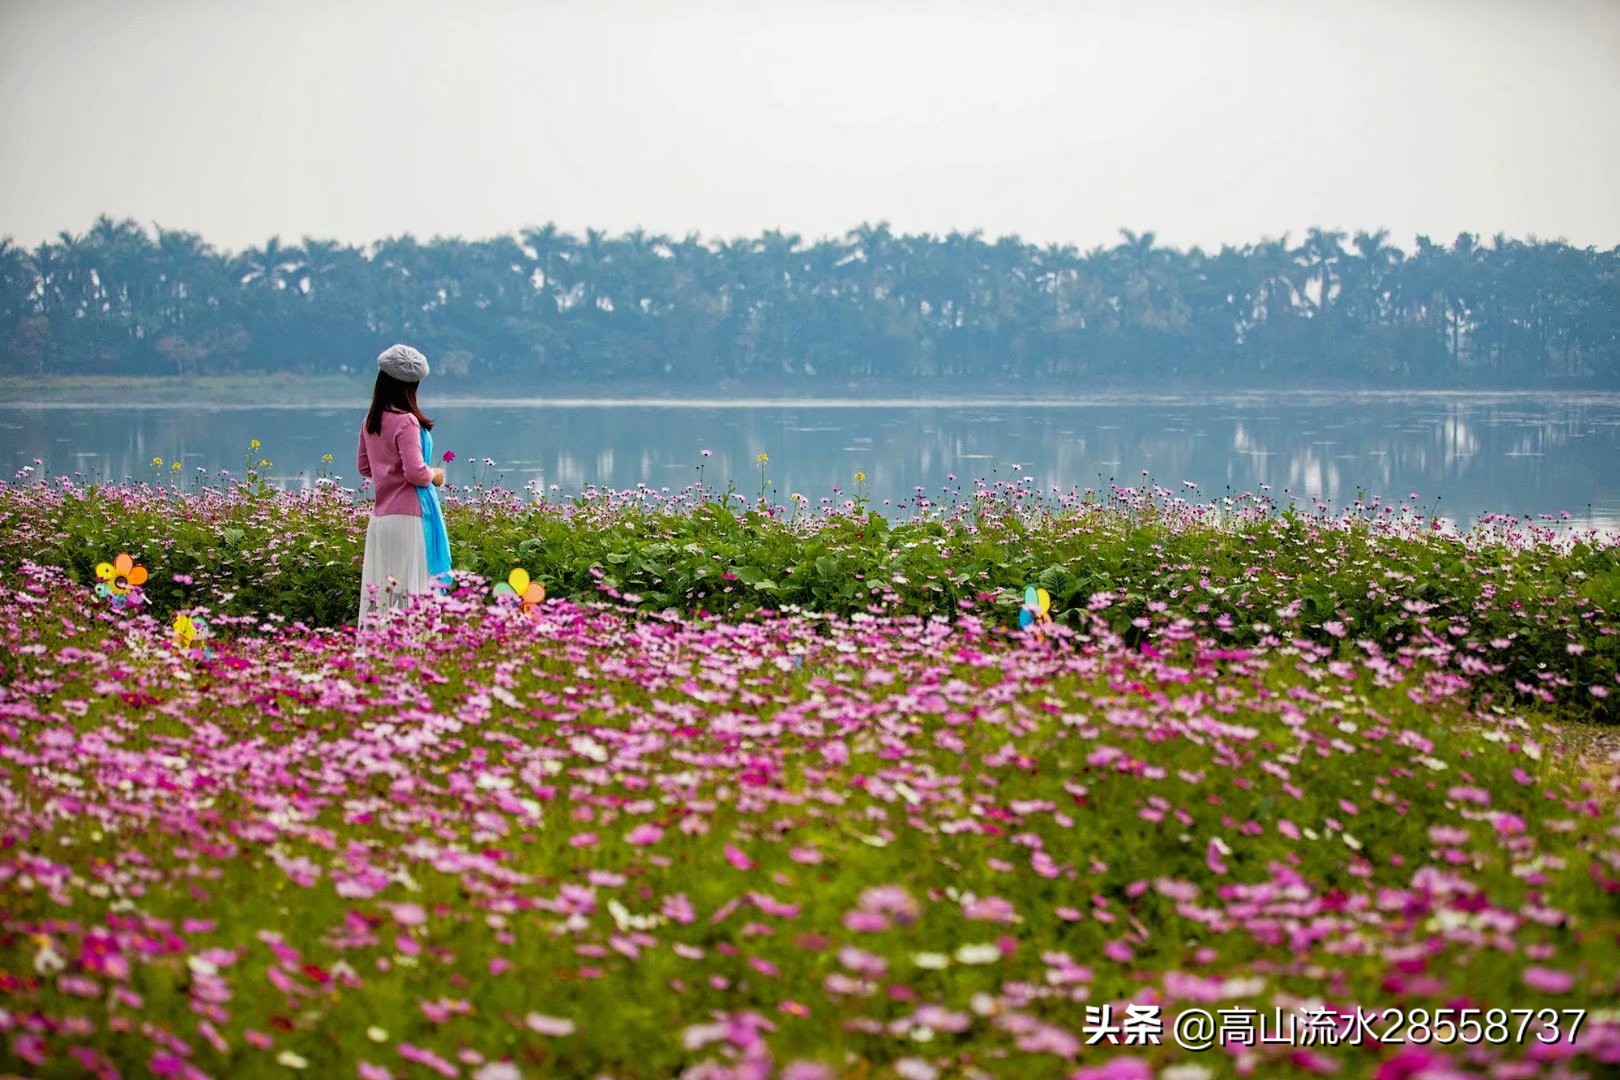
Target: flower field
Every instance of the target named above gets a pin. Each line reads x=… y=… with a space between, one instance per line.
x=787 y=794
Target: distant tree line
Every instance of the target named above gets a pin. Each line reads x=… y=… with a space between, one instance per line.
x=545 y=306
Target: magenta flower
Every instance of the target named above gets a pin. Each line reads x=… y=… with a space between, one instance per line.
x=646 y=834
x=432 y=813
x=1549 y=980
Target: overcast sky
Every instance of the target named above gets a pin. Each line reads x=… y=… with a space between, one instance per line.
x=1207 y=121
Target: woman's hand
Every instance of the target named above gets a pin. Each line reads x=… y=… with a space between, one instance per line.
x=438 y=477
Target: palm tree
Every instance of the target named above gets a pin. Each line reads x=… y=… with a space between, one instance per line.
x=869 y=303
x=551 y=253
x=18 y=285
x=265 y=268
x=1320 y=257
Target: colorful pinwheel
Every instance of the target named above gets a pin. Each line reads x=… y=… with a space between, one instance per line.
x=1036 y=611
x=529 y=593
x=121 y=574
x=121 y=580
x=188 y=630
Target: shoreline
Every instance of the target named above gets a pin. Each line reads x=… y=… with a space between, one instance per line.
x=273 y=392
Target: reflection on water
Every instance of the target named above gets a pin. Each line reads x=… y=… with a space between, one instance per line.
x=1476 y=453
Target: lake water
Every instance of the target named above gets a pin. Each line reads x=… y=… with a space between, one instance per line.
x=1508 y=453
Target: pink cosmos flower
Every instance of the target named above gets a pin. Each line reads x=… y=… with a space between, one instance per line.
x=31 y=1048
x=646 y=834
x=1411 y=1061
x=1549 y=980
x=678 y=908
x=990 y=909
x=428 y=1059
x=164 y=1063
x=868 y=922
x=1120 y=1068
x=1508 y=824
x=890 y=900
x=408 y=914
x=1447 y=836
x=939 y=1018
x=862 y=962
x=806 y=1070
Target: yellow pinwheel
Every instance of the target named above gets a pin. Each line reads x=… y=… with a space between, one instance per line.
x=188 y=630
x=529 y=593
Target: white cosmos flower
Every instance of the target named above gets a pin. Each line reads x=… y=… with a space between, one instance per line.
x=978 y=954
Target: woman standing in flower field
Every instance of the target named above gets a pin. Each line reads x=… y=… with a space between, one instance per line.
x=407 y=549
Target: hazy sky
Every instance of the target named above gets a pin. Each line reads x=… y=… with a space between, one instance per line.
x=1207 y=121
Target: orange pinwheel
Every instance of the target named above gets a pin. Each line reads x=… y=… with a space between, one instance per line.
x=121 y=575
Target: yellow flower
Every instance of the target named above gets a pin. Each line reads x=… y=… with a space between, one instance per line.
x=253 y=444
x=264 y=463
x=327 y=458
x=175 y=466
x=860 y=478
x=761 y=458
x=157 y=463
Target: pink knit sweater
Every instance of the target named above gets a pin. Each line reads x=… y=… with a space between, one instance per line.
x=393 y=461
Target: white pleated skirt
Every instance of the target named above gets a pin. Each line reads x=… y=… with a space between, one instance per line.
x=395 y=565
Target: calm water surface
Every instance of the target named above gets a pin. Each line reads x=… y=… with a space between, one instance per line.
x=1518 y=454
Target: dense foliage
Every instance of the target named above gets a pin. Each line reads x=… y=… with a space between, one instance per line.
x=1505 y=609
x=545 y=306
x=471 y=843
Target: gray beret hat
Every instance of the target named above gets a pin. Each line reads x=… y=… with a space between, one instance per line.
x=403 y=363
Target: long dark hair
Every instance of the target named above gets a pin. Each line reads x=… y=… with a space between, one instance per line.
x=391 y=394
